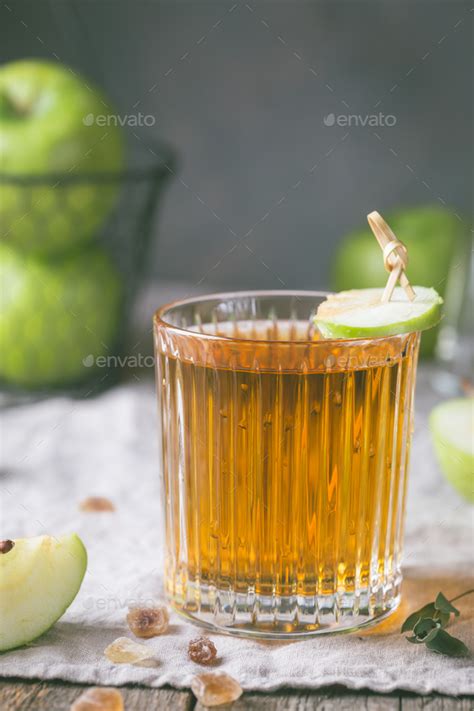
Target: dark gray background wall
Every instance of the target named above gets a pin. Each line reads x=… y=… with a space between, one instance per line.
x=241 y=90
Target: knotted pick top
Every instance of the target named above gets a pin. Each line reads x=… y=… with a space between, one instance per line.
x=395 y=256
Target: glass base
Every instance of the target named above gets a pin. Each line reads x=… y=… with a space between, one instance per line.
x=267 y=617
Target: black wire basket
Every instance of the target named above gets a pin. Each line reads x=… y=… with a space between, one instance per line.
x=72 y=254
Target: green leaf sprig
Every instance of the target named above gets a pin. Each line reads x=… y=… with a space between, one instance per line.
x=428 y=626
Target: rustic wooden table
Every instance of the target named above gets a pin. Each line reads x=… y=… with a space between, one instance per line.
x=21 y=695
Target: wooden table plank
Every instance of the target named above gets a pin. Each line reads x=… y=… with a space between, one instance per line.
x=438 y=703
x=339 y=700
x=142 y=700
x=17 y=696
x=30 y=695
x=58 y=696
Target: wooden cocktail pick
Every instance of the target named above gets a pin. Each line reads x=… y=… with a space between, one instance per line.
x=395 y=256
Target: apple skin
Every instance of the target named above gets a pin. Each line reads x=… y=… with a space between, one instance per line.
x=452 y=429
x=345 y=313
x=432 y=234
x=44 y=130
x=39 y=579
x=54 y=314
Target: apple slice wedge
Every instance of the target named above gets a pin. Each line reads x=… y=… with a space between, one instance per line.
x=452 y=428
x=359 y=313
x=39 y=578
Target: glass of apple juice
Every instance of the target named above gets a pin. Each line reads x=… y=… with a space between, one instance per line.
x=284 y=465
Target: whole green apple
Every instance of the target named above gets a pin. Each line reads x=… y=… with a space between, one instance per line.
x=53 y=122
x=433 y=236
x=54 y=315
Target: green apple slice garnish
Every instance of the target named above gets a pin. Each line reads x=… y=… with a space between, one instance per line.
x=452 y=428
x=39 y=579
x=359 y=313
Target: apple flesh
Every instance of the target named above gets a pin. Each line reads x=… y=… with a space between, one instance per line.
x=360 y=313
x=49 y=126
x=452 y=428
x=55 y=314
x=433 y=236
x=39 y=579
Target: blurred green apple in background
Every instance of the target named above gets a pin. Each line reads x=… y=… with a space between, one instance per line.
x=55 y=315
x=433 y=236
x=53 y=122
x=452 y=428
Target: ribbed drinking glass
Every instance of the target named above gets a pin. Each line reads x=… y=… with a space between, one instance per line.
x=284 y=465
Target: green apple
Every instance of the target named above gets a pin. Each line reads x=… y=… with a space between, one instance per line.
x=452 y=428
x=433 y=236
x=53 y=121
x=54 y=314
x=360 y=313
x=39 y=579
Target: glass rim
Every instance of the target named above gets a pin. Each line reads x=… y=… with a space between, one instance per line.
x=160 y=313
